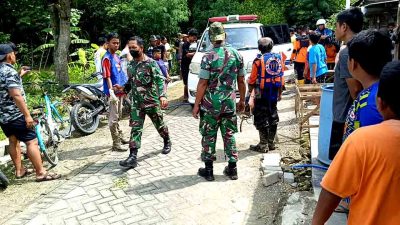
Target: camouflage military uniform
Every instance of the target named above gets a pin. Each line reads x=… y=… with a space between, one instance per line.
x=147 y=82
x=221 y=67
x=9 y=78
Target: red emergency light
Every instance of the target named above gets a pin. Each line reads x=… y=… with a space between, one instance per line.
x=233 y=18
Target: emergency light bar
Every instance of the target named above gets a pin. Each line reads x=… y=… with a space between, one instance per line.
x=233 y=18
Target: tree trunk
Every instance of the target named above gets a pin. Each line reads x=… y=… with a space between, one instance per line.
x=397 y=47
x=61 y=14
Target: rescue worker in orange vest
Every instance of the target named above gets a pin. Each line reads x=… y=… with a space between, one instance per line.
x=265 y=85
x=331 y=48
x=299 y=55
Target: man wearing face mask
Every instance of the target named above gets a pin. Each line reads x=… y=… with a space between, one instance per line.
x=146 y=84
x=113 y=74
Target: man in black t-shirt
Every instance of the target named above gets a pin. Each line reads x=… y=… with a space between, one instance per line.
x=155 y=42
x=187 y=56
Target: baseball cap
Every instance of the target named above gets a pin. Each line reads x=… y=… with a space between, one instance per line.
x=153 y=38
x=4 y=50
x=216 y=32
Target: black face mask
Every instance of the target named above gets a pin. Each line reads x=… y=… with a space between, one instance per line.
x=135 y=53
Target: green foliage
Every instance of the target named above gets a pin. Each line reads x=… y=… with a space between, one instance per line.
x=269 y=12
x=4 y=37
x=2 y=135
x=132 y=17
x=307 y=12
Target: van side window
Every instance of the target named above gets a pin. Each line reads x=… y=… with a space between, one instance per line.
x=278 y=33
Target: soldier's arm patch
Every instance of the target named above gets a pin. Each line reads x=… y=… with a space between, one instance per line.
x=205 y=67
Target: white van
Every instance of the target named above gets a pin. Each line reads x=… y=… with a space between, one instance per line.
x=242 y=34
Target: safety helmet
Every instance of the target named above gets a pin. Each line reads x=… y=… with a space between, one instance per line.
x=321 y=22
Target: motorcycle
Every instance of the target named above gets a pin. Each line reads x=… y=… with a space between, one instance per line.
x=91 y=103
x=3 y=180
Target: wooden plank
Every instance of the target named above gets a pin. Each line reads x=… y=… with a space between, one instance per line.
x=309 y=88
x=310 y=93
x=309 y=97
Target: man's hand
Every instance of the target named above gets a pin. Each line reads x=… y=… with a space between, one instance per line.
x=323 y=37
x=196 y=110
x=30 y=123
x=314 y=80
x=251 y=103
x=164 y=102
x=118 y=87
x=279 y=98
x=240 y=106
x=25 y=70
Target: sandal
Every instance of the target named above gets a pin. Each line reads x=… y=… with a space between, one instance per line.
x=48 y=177
x=26 y=173
x=343 y=207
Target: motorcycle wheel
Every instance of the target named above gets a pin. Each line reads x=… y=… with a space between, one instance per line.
x=3 y=180
x=80 y=118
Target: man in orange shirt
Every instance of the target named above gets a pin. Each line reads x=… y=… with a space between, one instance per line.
x=331 y=49
x=367 y=167
x=266 y=80
x=299 y=55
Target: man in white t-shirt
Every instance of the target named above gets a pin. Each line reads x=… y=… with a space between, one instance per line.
x=98 y=55
x=168 y=51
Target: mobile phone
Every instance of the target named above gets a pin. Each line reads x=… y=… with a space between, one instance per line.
x=27 y=68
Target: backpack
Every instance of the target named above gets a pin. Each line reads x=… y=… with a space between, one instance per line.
x=270 y=75
x=304 y=41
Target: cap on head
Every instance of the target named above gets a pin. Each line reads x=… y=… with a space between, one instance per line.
x=5 y=49
x=321 y=22
x=216 y=32
x=153 y=38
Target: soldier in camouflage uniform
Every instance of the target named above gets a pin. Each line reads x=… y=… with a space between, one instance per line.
x=221 y=68
x=146 y=82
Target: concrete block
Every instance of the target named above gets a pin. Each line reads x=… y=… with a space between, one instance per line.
x=272 y=159
x=270 y=178
x=271 y=168
x=288 y=177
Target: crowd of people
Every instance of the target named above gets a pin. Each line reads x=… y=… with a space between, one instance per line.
x=365 y=136
x=314 y=52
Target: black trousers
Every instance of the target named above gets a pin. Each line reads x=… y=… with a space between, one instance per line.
x=265 y=113
x=336 y=138
x=299 y=68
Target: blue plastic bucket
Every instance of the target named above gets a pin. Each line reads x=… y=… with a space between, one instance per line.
x=325 y=123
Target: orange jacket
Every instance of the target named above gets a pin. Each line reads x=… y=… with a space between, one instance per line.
x=331 y=52
x=299 y=53
x=257 y=64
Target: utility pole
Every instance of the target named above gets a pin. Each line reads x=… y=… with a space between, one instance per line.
x=347 y=4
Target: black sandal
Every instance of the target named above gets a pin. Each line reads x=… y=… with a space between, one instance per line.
x=48 y=177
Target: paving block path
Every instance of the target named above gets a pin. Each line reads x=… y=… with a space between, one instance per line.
x=163 y=189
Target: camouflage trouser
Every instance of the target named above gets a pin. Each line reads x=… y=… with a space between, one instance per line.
x=138 y=116
x=209 y=125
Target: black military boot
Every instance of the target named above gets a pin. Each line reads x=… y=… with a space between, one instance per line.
x=263 y=144
x=167 y=146
x=271 y=137
x=231 y=171
x=207 y=172
x=131 y=161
